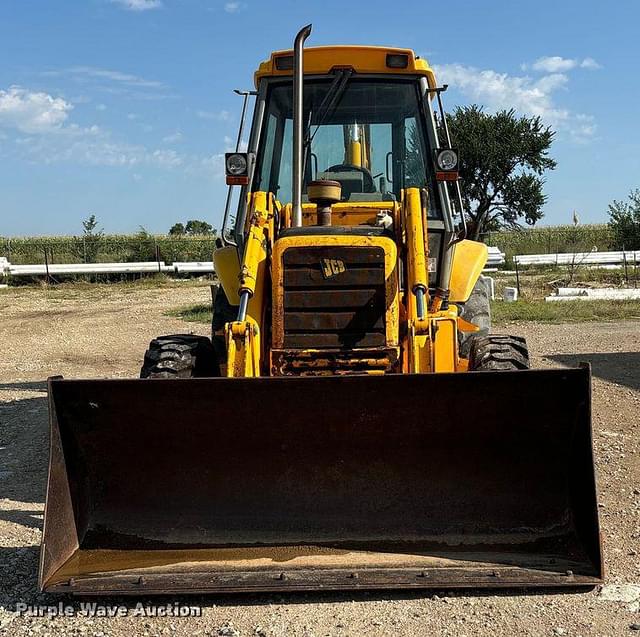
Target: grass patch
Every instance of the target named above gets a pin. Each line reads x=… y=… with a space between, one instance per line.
x=200 y=313
x=86 y=289
x=564 y=311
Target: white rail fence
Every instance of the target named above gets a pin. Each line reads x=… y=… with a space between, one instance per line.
x=496 y=258
x=138 y=267
x=600 y=259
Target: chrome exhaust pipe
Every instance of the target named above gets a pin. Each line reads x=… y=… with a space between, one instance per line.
x=298 y=124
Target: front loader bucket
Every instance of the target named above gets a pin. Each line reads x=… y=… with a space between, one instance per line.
x=400 y=481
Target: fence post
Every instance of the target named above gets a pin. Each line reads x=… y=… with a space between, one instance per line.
x=515 y=262
x=46 y=264
x=157 y=248
x=624 y=260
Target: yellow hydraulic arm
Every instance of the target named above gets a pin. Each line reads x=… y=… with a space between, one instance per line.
x=243 y=335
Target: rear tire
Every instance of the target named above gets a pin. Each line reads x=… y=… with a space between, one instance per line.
x=476 y=310
x=498 y=352
x=180 y=356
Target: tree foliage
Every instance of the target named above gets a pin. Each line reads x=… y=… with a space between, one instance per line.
x=624 y=221
x=87 y=246
x=502 y=160
x=177 y=229
x=192 y=227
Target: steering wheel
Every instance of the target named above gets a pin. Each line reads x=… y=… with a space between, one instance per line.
x=367 y=179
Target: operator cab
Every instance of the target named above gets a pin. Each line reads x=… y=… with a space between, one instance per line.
x=367 y=134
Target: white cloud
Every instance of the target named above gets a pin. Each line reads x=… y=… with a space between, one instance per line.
x=94 y=147
x=233 y=7
x=584 y=128
x=168 y=158
x=114 y=82
x=500 y=90
x=553 y=64
x=173 y=138
x=591 y=64
x=213 y=165
x=112 y=76
x=557 y=64
x=223 y=116
x=101 y=107
x=528 y=96
x=32 y=112
x=35 y=127
x=139 y=5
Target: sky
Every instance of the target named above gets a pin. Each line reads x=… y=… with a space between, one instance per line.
x=124 y=108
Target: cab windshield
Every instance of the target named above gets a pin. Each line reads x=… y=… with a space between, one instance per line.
x=366 y=134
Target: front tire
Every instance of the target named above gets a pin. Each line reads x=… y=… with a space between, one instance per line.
x=498 y=353
x=180 y=356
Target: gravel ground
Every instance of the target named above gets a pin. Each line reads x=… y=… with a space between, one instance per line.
x=102 y=332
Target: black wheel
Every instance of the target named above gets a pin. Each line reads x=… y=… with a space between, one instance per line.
x=180 y=356
x=223 y=313
x=498 y=352
x=476 y=310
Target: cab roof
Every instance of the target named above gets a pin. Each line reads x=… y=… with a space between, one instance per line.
x=319 y=60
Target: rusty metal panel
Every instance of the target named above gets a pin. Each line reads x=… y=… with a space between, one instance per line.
x=335 y=253
x=315 y=321
x=308 y=277
x=333 y=299
x=339 y=270
x=479 y=479
x=311 y=362
x=343 y=339
x=354 y=256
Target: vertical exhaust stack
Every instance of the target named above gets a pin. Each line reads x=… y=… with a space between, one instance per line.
x=298 y=125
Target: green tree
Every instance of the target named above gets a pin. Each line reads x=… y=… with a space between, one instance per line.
x=624 y=221
x=195 y=226
x=502 y=160
x=87 y=246
x=177 y=229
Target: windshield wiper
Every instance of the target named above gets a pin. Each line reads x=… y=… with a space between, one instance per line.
x=329 y=102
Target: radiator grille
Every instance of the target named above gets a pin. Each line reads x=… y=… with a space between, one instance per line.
x=334 y=297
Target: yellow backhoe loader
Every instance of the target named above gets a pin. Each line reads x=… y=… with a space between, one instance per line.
x=352 y=422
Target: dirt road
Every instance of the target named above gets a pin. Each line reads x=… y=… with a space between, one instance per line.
x=102 y=331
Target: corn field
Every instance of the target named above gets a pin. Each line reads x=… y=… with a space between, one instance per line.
x=168 y=248
x=553 y=239
x=107 y=249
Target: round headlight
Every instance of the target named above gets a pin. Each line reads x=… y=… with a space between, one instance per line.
x=236 y=165
x=447 y=160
